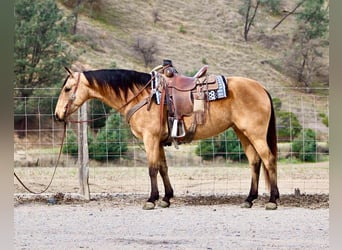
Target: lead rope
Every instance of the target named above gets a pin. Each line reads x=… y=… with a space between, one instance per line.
x=54 y=172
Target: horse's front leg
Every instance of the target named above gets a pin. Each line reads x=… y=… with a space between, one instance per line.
x=154 y=195
x=157 y=163
x=152 y=148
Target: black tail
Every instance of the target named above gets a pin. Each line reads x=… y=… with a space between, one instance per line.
x=272 y=132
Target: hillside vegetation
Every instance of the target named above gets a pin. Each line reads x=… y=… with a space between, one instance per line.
x=193 y=33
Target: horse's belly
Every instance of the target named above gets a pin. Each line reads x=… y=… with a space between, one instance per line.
x=208 y=130
x=217 y=121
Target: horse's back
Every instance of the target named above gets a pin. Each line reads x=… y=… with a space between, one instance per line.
x=243 y=85
x=247 y=106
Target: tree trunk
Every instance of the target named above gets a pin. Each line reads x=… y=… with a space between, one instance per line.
x=249 y=21
x=75 y=13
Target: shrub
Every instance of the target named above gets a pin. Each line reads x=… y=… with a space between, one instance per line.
x=110 y=142
x=305 y=148
x=225 y=144
x=230 y=146
x=182 y=29
x=325 y=119
x=206 y=149
x=70 y=145
x=276 y=104
x=147 y=48
x=288 y=126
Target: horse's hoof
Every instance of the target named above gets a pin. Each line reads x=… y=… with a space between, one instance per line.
x=148 y=206
x=271 y=206
x=246 y=204
x=164 y=204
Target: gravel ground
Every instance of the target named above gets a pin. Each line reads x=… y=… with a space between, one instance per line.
x=110 y=224
x=204 y=214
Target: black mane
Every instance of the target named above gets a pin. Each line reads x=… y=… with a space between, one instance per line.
x=118 y=79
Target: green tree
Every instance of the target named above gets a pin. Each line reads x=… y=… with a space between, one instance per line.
x=39 y=52
x=288 y=126
x=302 y=61
x=315 y=17
x=305 y=148
x=313 y=23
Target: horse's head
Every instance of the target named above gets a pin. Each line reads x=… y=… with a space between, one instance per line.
x=72 y=96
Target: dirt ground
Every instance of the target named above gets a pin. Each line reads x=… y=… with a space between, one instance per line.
x=205 y=213
x=216 y=184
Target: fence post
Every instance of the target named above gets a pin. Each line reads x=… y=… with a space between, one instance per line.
x=83 y=156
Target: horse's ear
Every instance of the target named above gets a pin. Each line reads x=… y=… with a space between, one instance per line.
x=69 y=71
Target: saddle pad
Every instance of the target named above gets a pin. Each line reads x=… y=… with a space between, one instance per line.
x=221 y=91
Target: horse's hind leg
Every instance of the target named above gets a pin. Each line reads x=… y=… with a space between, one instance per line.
x=255 y=163
x=163 y=170
x=270 y=164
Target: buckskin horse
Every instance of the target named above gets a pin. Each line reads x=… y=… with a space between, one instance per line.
x=248 y=109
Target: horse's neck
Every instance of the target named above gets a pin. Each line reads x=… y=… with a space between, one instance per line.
x=119 y=103
x=110 y=99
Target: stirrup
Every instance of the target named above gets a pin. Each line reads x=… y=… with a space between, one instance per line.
x=178 y=129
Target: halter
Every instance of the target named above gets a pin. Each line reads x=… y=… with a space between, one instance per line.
x=72 y=97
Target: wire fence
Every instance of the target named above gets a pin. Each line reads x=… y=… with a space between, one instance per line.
x=220 y=169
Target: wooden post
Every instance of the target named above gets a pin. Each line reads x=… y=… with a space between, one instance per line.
x=83 y=154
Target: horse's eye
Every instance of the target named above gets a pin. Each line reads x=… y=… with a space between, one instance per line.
x=67 y=89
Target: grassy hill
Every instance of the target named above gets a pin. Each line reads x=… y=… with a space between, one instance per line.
x=191 y=33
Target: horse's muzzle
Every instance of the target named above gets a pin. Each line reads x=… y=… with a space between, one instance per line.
x=58 y=118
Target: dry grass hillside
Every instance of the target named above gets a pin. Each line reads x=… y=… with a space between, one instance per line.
x=191 y=33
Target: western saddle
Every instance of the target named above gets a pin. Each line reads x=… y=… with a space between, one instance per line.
x=184 y=96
